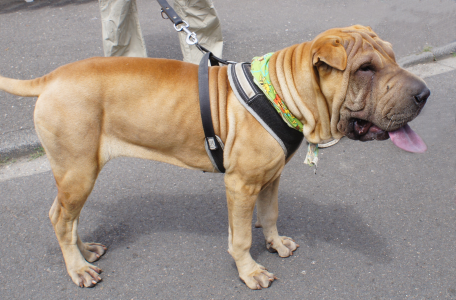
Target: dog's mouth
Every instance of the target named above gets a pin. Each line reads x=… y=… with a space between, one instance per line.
x=363 y=130
x=404 y=137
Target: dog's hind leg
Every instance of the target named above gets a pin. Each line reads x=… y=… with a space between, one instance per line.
x=74 y=186
x=267 y=213
x=70 y=135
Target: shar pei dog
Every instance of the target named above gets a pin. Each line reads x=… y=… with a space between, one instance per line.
x=345 y=82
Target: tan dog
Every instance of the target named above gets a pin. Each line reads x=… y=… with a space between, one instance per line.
x=345 y=82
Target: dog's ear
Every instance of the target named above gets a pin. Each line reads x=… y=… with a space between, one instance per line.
x=330 y=51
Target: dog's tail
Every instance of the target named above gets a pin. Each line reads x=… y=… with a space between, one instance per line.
x=24 y=88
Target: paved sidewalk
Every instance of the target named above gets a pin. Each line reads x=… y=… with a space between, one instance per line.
x=435 y=67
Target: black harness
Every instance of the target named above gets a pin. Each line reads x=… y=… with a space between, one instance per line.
x=213 y=144
x=254 y=100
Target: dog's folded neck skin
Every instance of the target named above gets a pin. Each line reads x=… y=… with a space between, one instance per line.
x=301 y=93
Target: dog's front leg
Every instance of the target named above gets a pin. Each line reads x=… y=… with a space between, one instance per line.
x=241 y=197
x=267 y=213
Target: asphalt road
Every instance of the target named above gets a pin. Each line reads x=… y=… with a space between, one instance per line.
x=375 y=222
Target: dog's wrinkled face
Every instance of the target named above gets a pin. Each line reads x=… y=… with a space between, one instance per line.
x=381 y=98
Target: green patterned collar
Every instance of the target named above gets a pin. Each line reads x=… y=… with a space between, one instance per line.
x=260 y=72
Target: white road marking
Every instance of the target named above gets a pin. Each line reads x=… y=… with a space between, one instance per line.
x=24 y=167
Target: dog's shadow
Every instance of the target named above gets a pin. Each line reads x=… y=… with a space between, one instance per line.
x=339 y=225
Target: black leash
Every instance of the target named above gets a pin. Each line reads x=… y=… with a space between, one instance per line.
x=213 y=144
x=170 y=13
x=182 y=25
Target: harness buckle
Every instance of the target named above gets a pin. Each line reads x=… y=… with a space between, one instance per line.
x=212 y=144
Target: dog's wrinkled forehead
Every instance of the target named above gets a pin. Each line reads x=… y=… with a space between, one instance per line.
x=364 y=39
x=351 y=47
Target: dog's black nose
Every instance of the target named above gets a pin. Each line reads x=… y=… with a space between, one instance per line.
x=423 y=96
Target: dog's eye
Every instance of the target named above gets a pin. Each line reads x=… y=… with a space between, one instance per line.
x=366 y=68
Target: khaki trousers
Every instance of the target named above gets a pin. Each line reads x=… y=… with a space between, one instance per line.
x=122 y=33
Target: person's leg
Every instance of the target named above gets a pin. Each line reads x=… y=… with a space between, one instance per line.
x=203 y=20
x=121 y=31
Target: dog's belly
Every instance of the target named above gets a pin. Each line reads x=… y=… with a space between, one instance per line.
x=160 y=128
x=112 y=147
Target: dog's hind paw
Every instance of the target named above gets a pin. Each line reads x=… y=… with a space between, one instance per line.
x=284 y=246
x=92 y=251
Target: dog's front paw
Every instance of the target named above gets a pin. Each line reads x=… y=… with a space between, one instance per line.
x=85 y=276
x=258 y=279
x=283 y=245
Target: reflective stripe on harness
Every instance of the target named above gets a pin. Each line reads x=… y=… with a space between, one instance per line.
x=253 y=99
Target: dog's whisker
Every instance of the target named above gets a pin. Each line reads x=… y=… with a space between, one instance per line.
x=387 y=127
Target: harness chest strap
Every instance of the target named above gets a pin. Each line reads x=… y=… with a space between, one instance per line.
x=212 y=143
x=254 y=100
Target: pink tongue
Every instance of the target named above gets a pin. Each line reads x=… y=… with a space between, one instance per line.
x=406 y=139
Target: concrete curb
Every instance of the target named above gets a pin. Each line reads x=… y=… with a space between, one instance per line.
x=18 y=143
x=426 y=57
x=23 y=142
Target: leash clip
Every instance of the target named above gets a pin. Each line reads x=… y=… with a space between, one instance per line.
x=191 y=36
